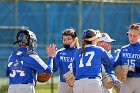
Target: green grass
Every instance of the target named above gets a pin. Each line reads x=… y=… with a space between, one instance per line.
x=40 y=88
x=3 y=89
x=113 y=90
x=45 y=88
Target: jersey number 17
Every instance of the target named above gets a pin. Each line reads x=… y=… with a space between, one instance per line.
x=91 y=55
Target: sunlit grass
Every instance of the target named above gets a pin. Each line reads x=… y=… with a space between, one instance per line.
x=46 y=88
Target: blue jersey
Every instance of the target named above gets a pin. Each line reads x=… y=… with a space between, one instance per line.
x=109 y=69
x=130 y=55
x=63 y=61
x=90 y=63
x=21 y=68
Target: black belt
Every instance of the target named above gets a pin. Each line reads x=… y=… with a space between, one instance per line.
x=133 y=74
x=26 y=83
x=137 y=69
x=129 y=76
x=89 y=78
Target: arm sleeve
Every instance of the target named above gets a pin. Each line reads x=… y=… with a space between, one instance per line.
x=110 y=71
x=56 y=62
x=7 y=69
x=117 y=59
x=107 y=58
x=74 y=62
x=38 y=64
x=108 y=62
x=74 y=68
x=116 y=53
x=52 y=64
x=7 y=72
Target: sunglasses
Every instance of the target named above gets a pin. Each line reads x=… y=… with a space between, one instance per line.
x=134 y=26
x=103 y=34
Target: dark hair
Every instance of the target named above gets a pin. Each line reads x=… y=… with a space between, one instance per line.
x=69 y=32
x=89 y=33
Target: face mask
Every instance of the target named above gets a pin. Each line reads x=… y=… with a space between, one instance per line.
x=66 y=46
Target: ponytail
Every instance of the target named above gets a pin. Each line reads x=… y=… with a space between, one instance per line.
x=83 y=48
x=76 y=42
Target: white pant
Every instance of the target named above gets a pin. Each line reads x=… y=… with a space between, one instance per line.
x=107 y=90
x=21 y=88
x=86 y=85
x=63 y=87
x=131 y=85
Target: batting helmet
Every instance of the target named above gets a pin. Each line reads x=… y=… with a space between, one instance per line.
x=26 y=38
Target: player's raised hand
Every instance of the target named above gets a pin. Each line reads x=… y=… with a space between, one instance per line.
x=51 y=50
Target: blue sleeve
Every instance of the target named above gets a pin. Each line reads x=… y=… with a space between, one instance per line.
x=110 y=71
x=116 y=53
x=74 y=67
x=107 y=58
x=108 y=62
x=7 y=69
x=56 y=61
x=52 y=63
x=7 y=72
x=117 y=59
x=76 y=54
x=38 y=64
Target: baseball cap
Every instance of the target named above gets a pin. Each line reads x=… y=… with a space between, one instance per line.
x=105 y=37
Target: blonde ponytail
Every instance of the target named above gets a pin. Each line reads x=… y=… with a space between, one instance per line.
x=76 y=42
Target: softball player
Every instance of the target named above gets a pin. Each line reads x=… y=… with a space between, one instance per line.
x=130 y=55
x=88 y=61
x=64 y=58
x=23 y=64
x=105 y=42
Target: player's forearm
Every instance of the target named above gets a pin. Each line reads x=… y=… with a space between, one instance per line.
x=52 y=64
x=110 y=72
